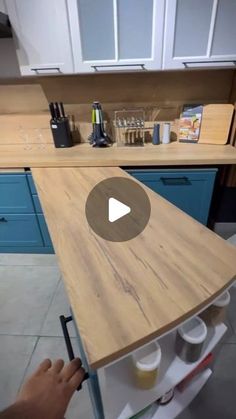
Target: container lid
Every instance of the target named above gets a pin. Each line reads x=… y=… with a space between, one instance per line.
x=223 y=300
x=193 y=331
x=148 y=358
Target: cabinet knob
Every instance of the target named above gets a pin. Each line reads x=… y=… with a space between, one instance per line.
x=3 y=220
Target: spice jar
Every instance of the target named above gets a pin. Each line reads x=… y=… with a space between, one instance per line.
x=216 y=313
x=190 y=338
x=146 y=365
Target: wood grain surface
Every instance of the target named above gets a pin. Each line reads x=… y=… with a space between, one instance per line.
x=25 y=129
x=125 y=294
x=174 y=154
x=216 y=122
x=22 y=98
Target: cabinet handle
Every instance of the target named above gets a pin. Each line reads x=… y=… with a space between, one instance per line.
x=64 y=320
x=97 y=67
x=38 y=70
x=169 y=181
x=3 y=220
x=187 y=64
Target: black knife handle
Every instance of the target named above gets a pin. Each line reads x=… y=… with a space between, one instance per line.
x=58 y=115
x=64 y=320
x=52 y=111
x=62 y=110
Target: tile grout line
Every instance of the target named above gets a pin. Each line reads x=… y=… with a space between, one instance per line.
x=28 y=363
x=41 y=266
x=50 y=304
x=32 y=336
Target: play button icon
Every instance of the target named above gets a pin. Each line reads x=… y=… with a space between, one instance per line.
x=117 y=209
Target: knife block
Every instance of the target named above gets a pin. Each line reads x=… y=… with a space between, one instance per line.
x=61 y=133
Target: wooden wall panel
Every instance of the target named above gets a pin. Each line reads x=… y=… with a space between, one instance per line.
x=25 y=129
x=162 y=94
x=166 y=87
x=22 y=98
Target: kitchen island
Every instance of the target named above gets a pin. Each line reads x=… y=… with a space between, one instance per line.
x=124 y=295
x=144 y=286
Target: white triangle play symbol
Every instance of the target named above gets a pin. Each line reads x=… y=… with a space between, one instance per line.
x=117 y=210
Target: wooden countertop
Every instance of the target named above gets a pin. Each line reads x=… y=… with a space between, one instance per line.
x=125 y=294
x=41 y=155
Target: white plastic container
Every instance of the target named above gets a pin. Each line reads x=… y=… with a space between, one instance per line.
x=166 y=133
x=190 y=338
x=216 y=313
x=146 y=365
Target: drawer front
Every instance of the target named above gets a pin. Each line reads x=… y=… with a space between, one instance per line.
x=44 y=230
x=189 y=190
x=37 y=204
x=19 y=230
x=15 y=195
x=31 y=184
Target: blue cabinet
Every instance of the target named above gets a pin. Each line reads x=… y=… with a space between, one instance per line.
x=37 y=204
x=14 y=194
x=44 y=230
x=32 y=187
x=189 y=190
x=23 y=228
x=19 y=230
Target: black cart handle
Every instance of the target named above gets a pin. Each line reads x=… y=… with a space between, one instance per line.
x=64 y=320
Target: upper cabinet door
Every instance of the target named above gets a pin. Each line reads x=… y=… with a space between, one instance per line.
x=200 y=34
x=42 y=36
x=116 y=34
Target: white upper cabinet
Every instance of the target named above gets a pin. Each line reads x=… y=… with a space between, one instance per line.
x=82 y=36
x=116 y=34
x=42 y=36
x=200 y=33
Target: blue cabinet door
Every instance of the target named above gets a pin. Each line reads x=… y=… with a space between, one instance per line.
x=15 y=197
x=37 y=204
x=189 y=190
x=31 y=184
x=19 y=230
x=44 y=230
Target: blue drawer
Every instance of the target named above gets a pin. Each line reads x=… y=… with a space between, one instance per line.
x=37 y=204
x=15 y=195
x=19 y=230
x=44 y=230
x=31 y=184
x=189 y=190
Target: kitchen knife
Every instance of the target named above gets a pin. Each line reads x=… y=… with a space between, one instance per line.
x=57 y=111
x=52 y=111
x=62 y=110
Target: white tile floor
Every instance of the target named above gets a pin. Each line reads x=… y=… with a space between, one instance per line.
x=32 y=297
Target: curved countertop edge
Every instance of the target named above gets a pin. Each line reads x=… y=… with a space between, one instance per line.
x=58 y=204
x=161 y=332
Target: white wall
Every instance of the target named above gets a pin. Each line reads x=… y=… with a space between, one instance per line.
x=2 y=6
x=8 y=60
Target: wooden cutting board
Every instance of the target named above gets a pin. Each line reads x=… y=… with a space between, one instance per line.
x=216 y=121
